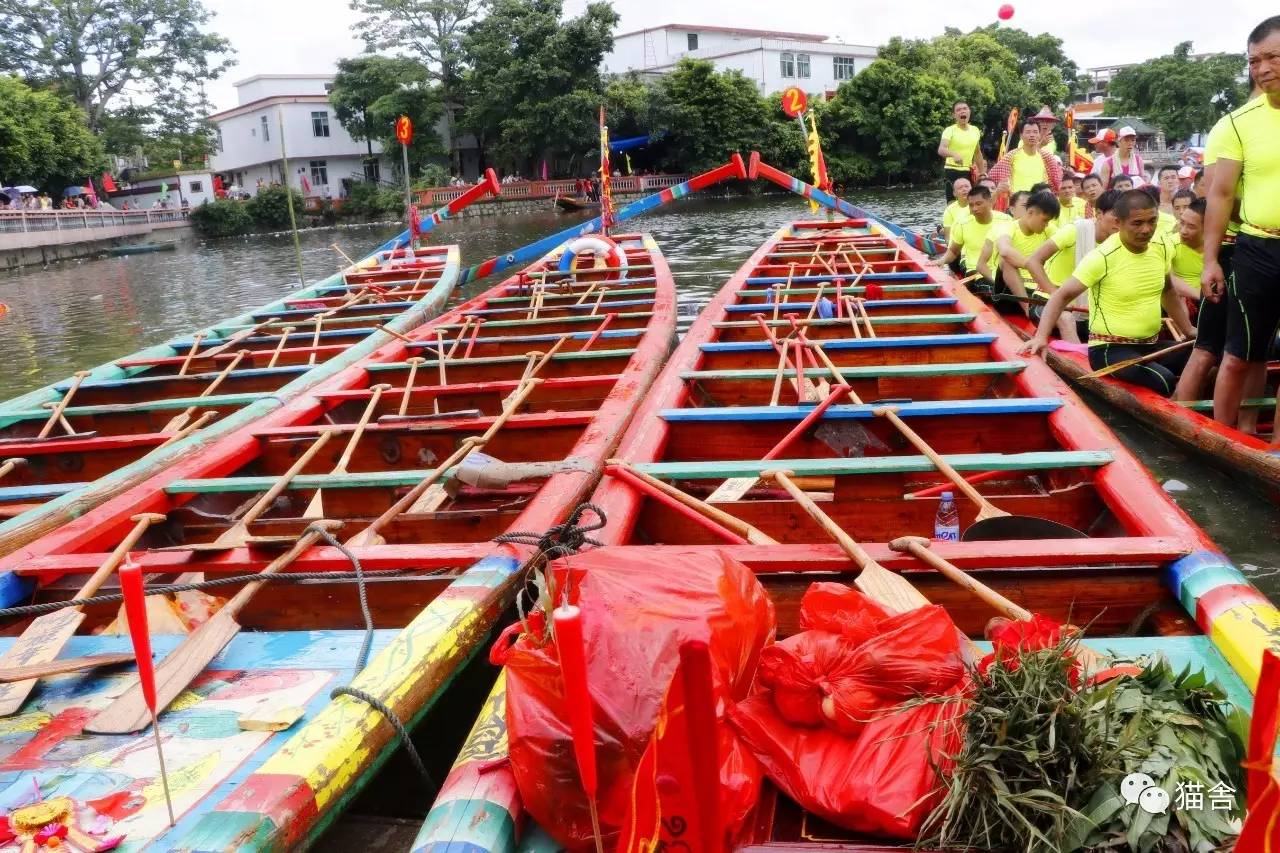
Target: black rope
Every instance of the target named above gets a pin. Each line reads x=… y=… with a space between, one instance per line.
x=390 y=716
x=562 y=539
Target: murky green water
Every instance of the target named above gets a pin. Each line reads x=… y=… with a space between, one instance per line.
x=79 y=314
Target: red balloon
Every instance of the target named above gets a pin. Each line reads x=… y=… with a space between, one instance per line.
x=1006 y=11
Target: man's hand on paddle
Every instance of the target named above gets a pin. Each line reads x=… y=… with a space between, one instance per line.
x=1035 y=346
x=1212 y=282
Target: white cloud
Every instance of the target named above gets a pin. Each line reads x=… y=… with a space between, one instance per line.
x=280 y=36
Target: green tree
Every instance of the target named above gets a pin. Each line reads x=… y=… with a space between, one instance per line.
x=370 y=92
x=270 y=207
x=533 y=86
x=222 y=218
x=1036 y=51
x=95 y=51
x=884 y=124
x=43 y=138
x=709 y=114
x=430 y=29
x=1178 y=93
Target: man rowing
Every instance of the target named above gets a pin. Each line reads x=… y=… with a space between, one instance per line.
x=1248 y=169
x=1027 y=165
x=1127 y=278
x=988 y=253
x=960 y=150
x=1052 y=264
x=1015 y=245
x=958 y=208
x=969 y=236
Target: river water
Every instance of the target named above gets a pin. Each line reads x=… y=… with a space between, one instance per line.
x=78 y=314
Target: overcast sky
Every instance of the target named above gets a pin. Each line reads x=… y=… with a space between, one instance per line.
x=283 y=36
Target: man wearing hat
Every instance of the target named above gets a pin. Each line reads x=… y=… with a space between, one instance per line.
x=1046 y=120
x=1104 y=145
x=1125 y=160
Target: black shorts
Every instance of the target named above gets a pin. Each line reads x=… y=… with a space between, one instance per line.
x=949 y=177
x=1254 y=292
x=1211 y=322
x=1159 y=375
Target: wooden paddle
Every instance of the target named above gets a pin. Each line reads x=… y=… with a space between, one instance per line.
x=315 y=509
x=180 y=420
x=45 y=637
x=284 y=339
x=33 y=671
x=191 y=353
x=239 y=336
x=129 y=712
x=393 y=333
x=918 y=547
x=196 y=425
x=371 y=535
x=61 y=405
x=843 y=436
x=414 y=364
x=752 y=534
x=889 y=590
x=987 y=525
x=9 y=465
x=1130 y=362
x=238 y=534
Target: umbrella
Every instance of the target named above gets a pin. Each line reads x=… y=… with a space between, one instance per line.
x=73 y=191
x=22 y=189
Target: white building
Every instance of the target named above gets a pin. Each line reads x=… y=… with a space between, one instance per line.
x=247 y=148
x=774 y=60
x=177 y=189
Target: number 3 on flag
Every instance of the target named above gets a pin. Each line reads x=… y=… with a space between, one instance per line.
x=794 y=101
x=404 y=130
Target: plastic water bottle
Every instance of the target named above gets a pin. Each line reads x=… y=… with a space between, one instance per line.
x=946 y=526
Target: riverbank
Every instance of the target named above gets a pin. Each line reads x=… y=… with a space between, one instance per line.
x=42 y=237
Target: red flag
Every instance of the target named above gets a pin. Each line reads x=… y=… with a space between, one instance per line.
x=93 y=196
x=108 y=184
x=306 y=185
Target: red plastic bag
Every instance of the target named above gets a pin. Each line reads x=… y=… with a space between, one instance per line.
x=635 y=616
x=872 y=765
x=839 y=609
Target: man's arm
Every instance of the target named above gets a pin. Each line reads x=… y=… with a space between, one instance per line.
x=1035 y=265
x=979 y=161
x=984 y=261
x=1004 y=243
x=944 y=148
x=1222 y=198
x=952 y=253
x=1177 y=310
x=1053 y=167
x=1053 y=309
x=1001 y=171
x=1184 y=288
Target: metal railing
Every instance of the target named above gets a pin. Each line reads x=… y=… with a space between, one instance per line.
x=436 y=196
x=18 y=221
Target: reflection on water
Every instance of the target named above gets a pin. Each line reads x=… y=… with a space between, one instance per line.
x=79 y=314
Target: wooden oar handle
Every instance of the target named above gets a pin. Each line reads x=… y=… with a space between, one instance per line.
x=140 y=524
x=263 y=503
x=11 y=674
x=986 y=508
x=751 y=533
x=846 y=542
x=918 y=547
x=309 y=537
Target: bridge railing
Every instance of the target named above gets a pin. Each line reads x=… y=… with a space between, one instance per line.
x=18 y=221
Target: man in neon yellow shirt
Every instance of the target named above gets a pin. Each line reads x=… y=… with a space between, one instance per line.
x=1046 y=120
x=1250 y=157
x=969 y=236
x=1188 y=251
x=1015 y=245
x=1070 y=200
x=1127 y=278
x=1167 y=181
x=1054 y=262
x=960 y=150
x=958 y=208
x=1027 y=165
x=1017 y=206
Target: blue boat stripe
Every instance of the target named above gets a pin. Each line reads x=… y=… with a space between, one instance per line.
x=862 y=343
x=827 y=277
x=926 y=408
x=577 y=336
x=754 y=307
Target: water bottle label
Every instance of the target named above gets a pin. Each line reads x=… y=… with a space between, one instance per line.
x=947 y=534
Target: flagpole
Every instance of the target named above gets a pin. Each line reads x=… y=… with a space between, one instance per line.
x=288 y=195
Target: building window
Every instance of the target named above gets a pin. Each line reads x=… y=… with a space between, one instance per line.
x=217 y=139
x=196 y=187
x=788 y=63
x=266 y=132
x=320 y=123
x=802 y=65
x=319 y=173
x=693 y=41
x=844 y=67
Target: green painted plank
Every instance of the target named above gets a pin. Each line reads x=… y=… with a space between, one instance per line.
x=150 y=405
x=1255 y=403
x=722 y=470
x=873 y=371
x=371 y=479
x=877 y=320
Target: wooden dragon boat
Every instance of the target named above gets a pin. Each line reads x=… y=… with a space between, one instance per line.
x=1188 y=424
x=69 y=445
x=1146 y=580
x=542 y=373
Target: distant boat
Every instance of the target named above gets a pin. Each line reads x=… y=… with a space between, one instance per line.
x=568 y=203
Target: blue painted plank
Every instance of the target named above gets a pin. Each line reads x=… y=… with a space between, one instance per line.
x=939 y=302
x=586 y=307
x=863 y=343
x=362 y=308
x=35 y=492
x=766 y=280
x=548 y=338
x=927 y=408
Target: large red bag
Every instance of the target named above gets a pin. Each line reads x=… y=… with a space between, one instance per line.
x=635 y=616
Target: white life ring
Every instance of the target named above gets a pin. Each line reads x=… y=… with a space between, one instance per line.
x=602 y=247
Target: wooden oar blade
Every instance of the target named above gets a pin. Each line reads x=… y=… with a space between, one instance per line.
x=39 y=644
x=889 y=590
x=129 y=712
x=731 y=490
x=1003 y=528
x=8 y=675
